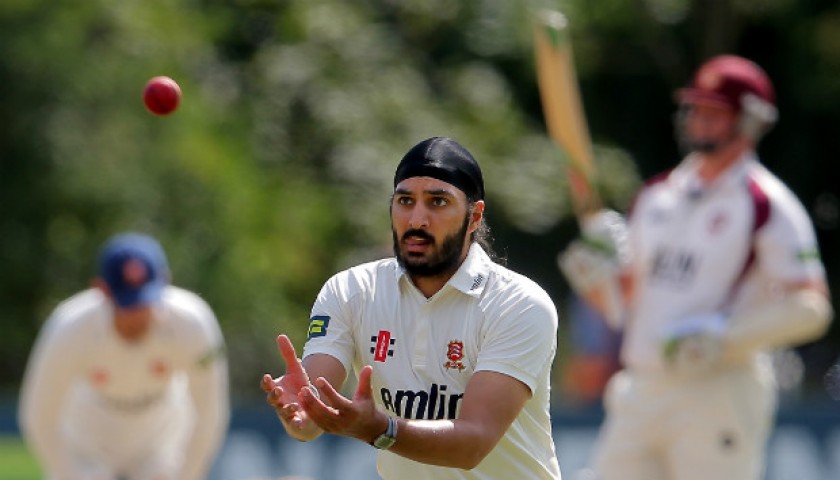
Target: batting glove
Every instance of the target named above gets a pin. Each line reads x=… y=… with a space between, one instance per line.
x=587 y=267
x=695 y=344
x=597 y=256
x=606 y=231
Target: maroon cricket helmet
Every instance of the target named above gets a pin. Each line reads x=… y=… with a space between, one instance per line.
x=725 y=80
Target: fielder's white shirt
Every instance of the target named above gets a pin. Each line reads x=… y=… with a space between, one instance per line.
x=121 y=403
x=424 y=351
x=696 y=250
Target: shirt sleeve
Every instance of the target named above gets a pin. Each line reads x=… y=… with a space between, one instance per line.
x=787 y=245
x=208 y=385
x=521 y=336
x=331 y=322
x=53 y=365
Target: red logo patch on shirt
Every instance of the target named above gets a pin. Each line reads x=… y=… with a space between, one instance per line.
x=98 y=376
x=455 y=353
x=159 y=368
x=382 y=349
x=718 y=222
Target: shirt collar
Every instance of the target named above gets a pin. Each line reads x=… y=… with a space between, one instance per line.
x=470 y=278
x=686 y=178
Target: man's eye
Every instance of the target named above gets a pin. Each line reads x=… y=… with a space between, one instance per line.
x=404 y=201
x=440 y=202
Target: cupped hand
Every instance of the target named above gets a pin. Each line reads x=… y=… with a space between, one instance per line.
x=282 y=393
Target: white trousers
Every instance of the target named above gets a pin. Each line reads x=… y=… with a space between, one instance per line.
x=669 y=427
x=102 y=443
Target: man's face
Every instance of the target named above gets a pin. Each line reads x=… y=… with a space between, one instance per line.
x=708 y=126
x=132 y=323
x=431 y=222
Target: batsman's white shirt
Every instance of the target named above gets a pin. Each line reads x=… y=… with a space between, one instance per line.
x=723 y=247
x=424 y=351
x=91 y=400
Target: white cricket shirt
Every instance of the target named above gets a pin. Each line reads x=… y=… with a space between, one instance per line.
x=117 y=401
x=423 y=352
x=720 y=247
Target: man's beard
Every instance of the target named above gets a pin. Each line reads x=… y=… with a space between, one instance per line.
x=445 y=260
x=689 y=144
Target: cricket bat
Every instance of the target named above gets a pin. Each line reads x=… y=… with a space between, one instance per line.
x=563 y=109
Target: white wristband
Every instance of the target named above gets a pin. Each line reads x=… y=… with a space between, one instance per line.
x=314 y=390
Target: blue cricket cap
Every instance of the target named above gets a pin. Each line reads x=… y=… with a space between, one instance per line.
x=135 y=269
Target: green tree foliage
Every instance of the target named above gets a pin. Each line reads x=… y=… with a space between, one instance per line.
x=276 y=170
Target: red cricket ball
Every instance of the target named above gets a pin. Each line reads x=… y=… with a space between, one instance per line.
x=161 y=95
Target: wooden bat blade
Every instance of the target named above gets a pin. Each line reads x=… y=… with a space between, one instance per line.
x=562 y=106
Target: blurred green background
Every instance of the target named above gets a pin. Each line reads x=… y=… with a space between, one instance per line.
x=18 y=463
x=276 y=170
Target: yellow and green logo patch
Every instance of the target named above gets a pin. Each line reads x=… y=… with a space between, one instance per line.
x=318 y=326
x=211 y=355
x=808 y=255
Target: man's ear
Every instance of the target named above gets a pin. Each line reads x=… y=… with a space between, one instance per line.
x=477 y=213
x=99 y=283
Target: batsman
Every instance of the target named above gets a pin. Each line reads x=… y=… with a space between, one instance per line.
x=715 y=266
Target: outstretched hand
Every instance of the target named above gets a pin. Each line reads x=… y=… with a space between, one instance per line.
x=283 y=394
x=356 y=418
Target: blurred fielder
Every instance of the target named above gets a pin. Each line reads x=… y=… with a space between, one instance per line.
x=717 y=264
x=127 y=380
x=452 y=350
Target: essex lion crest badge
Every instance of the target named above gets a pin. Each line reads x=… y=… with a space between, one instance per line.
x=454 y=354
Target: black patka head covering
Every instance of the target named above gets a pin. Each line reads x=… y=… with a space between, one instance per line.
x=445 y=159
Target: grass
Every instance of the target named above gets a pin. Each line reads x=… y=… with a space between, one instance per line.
x=17 y=462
